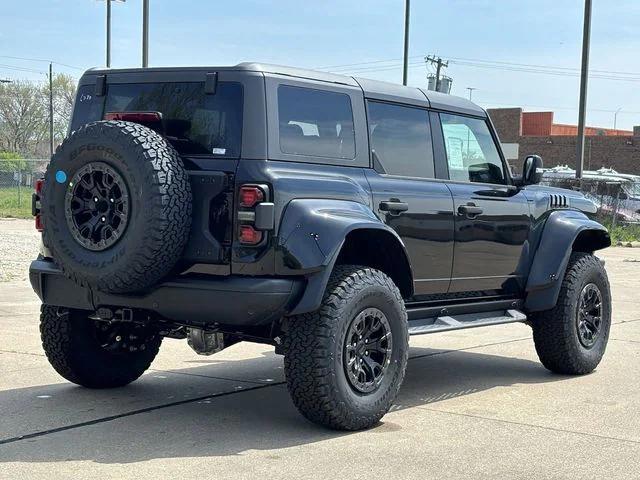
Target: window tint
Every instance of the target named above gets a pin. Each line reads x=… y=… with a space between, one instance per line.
x=315 y=122
x=472 y=155
x=401 y=139
x=194 y=123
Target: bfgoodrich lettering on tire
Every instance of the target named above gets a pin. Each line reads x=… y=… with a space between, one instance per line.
x=345 y=362
x=116 y=206
x=571 y=338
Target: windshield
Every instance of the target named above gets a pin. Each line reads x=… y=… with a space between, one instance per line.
x=194 y=123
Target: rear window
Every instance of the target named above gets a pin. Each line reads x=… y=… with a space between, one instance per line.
x=315 y=123
x=193 y=122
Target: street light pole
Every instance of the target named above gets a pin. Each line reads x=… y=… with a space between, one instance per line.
x=108 y=34
x=145 y=33
x=615 y=118
x=471 y=89
x=405 y=63
x=584 y=76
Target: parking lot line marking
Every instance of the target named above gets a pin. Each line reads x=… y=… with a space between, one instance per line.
x=532 y=425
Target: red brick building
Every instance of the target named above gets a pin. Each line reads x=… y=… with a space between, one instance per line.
x=536 y=133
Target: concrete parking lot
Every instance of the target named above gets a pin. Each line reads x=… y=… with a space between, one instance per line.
x=475 y=404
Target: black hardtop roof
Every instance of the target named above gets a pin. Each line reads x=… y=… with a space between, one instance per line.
x=372 y=88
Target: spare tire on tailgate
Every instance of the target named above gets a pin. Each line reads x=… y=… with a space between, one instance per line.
x=116 y=206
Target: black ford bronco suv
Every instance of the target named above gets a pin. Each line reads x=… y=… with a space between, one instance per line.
x=329 y=216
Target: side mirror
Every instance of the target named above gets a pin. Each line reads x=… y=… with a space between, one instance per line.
x=531 y=170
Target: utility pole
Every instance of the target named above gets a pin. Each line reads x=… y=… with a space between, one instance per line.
x=584 y=76
x=471 y=89
x=439 y=63
x=145 y=33
x=51 y=108
x=405 y=63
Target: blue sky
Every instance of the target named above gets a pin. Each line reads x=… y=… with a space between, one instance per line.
x=328 y=33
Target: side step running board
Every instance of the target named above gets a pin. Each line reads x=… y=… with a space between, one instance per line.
x=469 y=320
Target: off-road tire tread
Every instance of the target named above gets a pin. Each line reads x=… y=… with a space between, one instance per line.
x=554 y=330
x=168 y=226
x=309 y=353
x=62 y=340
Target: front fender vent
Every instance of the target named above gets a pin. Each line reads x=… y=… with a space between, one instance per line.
x=558 y=201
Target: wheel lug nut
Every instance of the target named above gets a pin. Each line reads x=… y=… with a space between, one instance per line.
x=103 y=219
x=95 y=199
x=118 y=338
x=111 y=200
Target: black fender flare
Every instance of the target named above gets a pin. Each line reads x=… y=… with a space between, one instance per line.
x=311 y=235
x=564 y=231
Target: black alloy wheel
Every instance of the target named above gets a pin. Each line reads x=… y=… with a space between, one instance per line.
x=97 y=206
x=367 y=350
x=589 y=315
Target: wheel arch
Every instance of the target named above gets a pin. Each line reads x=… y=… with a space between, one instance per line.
x=317 y=234
x=564 y=232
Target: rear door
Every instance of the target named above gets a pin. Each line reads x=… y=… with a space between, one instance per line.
x=492 y=220
x=405 y=194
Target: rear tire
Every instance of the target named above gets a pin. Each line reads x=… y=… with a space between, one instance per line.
x=82 y=350
x=331 y=373
x=571 y=338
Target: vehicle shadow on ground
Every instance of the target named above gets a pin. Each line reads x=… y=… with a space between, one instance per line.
x=230 y=424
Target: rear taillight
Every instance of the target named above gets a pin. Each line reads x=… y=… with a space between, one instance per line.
x=35 y=204
x=249 y=235
x=250 y=199
x=250 y=196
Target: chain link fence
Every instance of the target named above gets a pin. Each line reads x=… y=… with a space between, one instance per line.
x=617 y=199
x=17 y=178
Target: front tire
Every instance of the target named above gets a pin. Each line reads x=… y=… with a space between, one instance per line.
x=571 y=338
x=345 y=362
x=96 y=354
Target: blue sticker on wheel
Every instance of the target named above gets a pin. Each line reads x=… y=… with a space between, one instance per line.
x=61 y=177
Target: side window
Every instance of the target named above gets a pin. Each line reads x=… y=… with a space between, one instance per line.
x=401 y=139
x=472 y=155
x=314 y=122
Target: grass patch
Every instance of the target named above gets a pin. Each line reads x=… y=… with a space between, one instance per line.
x=15 y=203
x=622 y=232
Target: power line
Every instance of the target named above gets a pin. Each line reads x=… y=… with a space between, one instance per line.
x=41 y=60
x=372 y=66
x=19 y=69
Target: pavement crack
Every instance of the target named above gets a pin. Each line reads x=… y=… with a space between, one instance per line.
x=443 y=352
x=209 y=376
x=23 y=353
x=625 y=340
x=532 y=425
x=131 y=413
x=204 y=397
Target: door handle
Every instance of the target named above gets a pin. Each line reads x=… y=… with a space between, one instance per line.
x=471 y=210
x=394 y=206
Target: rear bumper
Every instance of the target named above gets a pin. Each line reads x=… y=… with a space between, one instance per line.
x=235 y=301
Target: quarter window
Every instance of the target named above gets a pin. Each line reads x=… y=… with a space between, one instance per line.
x=315 y=123
x=472 y=155
x=401 y=140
